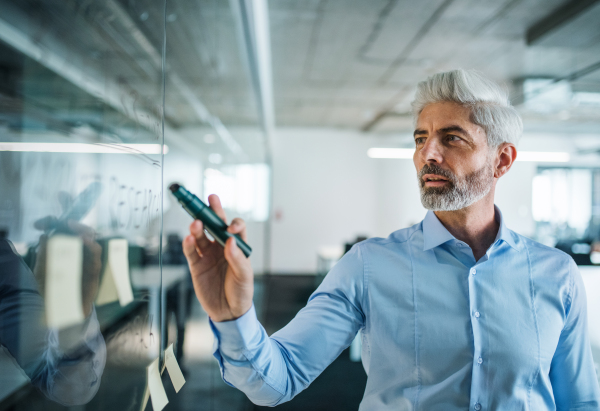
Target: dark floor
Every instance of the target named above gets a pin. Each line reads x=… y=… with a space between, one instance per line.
x=277 y=299
x=342 y=384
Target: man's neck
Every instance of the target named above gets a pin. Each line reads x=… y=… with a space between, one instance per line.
x=475 y=225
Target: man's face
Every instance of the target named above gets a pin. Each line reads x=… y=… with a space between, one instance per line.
x=452 y=158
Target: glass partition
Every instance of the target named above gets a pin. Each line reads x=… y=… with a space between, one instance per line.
x=96 y=120
x=81 y=143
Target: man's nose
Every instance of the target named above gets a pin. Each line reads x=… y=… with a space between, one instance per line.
x=432 y=151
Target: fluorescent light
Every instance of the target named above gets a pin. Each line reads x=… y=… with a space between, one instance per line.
x=586 y=98
x=391 y=152
x=84 y=148
x=537 y=156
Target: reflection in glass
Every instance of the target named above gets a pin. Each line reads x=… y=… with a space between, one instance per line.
x=81 y=148
x=67 y=364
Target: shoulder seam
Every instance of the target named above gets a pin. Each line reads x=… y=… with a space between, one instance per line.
x=571 y=286
x=398 y=241
x=365 y=283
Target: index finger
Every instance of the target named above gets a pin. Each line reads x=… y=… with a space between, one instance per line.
x=215 y=205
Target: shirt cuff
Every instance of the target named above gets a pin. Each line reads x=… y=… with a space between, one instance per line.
x=239 y=334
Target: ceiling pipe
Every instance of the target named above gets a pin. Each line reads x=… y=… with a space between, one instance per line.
x=185 y=90
x=252 y=28
x=556 y=19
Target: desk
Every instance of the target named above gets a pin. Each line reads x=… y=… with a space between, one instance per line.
x=149 y=279
x=144 y=280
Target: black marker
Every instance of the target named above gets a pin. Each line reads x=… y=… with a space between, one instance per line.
x=77 y=210
x=212 y=223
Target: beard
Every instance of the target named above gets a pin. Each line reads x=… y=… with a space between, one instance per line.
x=459 y=192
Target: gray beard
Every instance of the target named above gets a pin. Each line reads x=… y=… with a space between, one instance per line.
x=459 y=193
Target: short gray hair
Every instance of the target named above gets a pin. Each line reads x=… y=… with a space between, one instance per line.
x=489 y=103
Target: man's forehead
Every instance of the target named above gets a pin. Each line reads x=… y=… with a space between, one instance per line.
x=452 y=128
x=445 y=116
x=445 y=112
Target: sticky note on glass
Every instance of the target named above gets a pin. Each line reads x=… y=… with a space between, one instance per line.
x=107 y=292
x=146 y=398
x=173 y=368
x=64 y=260
x=158 y=396
x=117 y=267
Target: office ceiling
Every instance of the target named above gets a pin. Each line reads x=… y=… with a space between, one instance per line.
x=336 y=63
x=345 y=63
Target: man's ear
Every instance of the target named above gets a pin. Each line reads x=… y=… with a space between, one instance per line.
x=506 y=154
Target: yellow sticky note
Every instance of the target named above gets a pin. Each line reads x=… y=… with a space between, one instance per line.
x=64 y=261
x=146 y=398
x=108 y=290
x=118 y=265
x=155 y=387
x=173 y=367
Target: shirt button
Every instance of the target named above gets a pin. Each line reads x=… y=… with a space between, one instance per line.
x=479 y=360
x=473 y=271
x=477 y=315
x=477 y=406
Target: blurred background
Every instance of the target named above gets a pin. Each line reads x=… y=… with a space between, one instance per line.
x=297 y=114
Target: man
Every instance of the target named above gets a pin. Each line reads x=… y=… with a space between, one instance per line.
x=66 y=365
x=457 y=312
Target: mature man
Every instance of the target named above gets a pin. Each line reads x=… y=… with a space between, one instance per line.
x=457 y=312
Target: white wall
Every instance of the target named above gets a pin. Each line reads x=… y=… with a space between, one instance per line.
x=327 y=191
x=324 y=193
x=398 y=202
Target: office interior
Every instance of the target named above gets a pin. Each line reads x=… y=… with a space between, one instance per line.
x=297 y=114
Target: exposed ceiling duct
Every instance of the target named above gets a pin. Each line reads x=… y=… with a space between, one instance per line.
x=574 y=24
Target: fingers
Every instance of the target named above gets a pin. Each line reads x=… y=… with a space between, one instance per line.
x=45 y=223
x=237 y=260
x=197 y=231
x=215 y=205
x=190 y=251
x=238 y=226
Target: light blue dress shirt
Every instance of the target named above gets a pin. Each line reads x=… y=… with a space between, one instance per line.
x=440 y=331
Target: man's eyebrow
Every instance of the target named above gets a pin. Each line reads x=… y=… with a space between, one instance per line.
x=455 y=128
x=419 y=131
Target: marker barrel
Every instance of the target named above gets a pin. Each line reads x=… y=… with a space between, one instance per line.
x=212 y=222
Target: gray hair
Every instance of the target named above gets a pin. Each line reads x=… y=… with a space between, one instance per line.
x=489 y=103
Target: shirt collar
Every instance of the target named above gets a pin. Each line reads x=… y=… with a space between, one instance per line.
x=503 y=232
x=435 y=234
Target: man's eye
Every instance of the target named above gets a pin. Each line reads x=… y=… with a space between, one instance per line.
x=453 y=138
x=419 y=140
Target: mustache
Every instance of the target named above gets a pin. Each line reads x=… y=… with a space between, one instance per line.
x=435 y=169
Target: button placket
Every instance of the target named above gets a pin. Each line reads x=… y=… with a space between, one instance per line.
x=474 y=304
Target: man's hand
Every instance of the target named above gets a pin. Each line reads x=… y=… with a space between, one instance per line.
x=223 y=279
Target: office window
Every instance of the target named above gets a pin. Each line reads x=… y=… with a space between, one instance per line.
x=242 y=188
x=562 y=204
